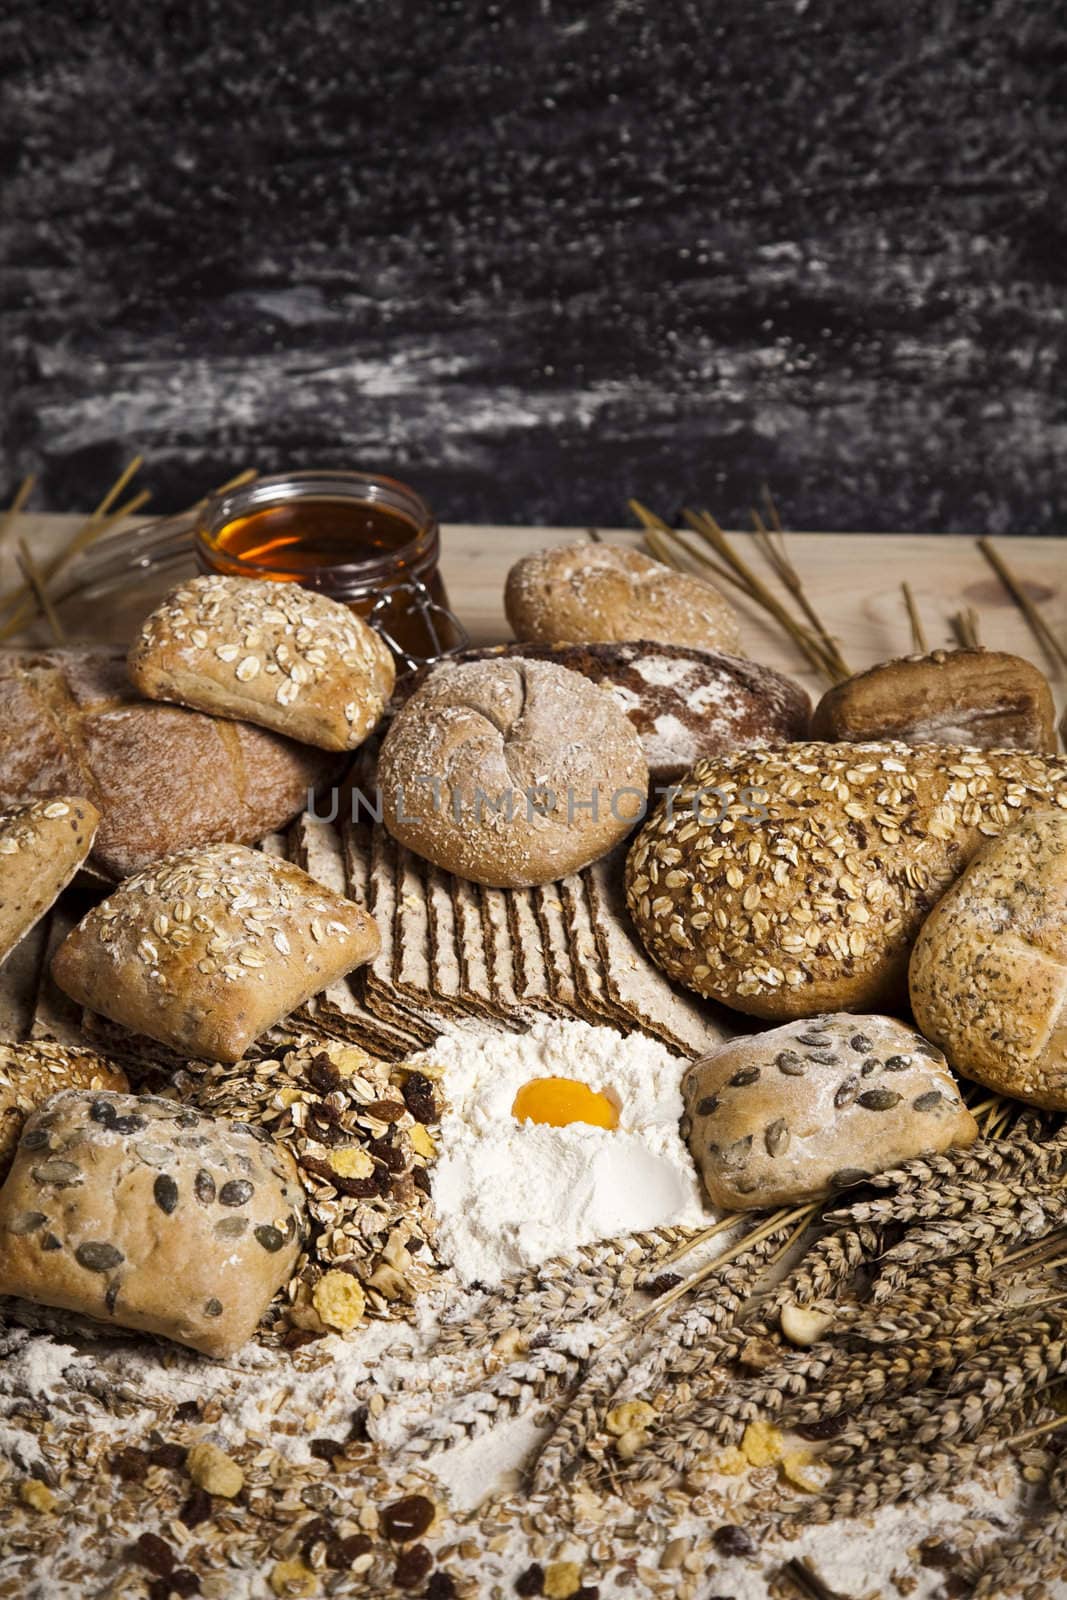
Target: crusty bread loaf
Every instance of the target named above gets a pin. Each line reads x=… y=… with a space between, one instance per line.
x=510 y=772
x=146 y=1214
x=583 y=593
x=162 y=778
x=977 y=697
x=685 y=704
x=988 y=974
x=206 y=950
x=42 y=845
x=30 y=1074
x=274 y=654
x=790 y=1114
x=802 y=883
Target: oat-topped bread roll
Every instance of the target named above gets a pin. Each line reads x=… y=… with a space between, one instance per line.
x=788 y=882
x=146 y=1214
x=161 y=777
x=979 y=697
x=208 y=949
x=271 y=653
x=583 y=593
x=790 y=1114
x=42 y=845
x=30 y=1074
x=684 y=704
x=510 y=772
x=988 y=974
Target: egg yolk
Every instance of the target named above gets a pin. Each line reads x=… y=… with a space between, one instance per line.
x=557 y=1102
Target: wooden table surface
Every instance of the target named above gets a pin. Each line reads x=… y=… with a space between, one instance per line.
x=853 y=580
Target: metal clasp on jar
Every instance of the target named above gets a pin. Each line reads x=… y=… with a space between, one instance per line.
x=429 y=611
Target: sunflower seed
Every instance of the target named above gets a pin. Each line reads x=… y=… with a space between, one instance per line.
x=776 y=1137
x=846 y=1093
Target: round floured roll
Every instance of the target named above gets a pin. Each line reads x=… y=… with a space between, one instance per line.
x=594 y=593
x=511 y=772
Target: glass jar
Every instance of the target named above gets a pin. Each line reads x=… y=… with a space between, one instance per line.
x=365 y=540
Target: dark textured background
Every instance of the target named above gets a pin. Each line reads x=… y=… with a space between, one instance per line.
x=538 y=257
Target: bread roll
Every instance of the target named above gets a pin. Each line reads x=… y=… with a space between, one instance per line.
x=977 y=697
x=793 y=1113
x=274 y=654
x=988 y=974
x=684 y=704
x=510 y=772
x=42 y=845
x=208 y=949
x=794 y=881
x=162 y=778
x=594 y=593
x=146 y=1214
x=30 y=1074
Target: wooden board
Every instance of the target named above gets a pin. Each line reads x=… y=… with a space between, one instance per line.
x=853 y=579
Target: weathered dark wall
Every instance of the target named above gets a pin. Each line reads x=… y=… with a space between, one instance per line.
x=540 y=257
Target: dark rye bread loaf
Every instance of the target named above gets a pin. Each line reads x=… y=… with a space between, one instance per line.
x=163 y=778
x=684 y=704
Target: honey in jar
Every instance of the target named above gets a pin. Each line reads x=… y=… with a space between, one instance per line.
x=369 y=542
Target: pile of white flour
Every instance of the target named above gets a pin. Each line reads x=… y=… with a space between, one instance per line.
x=508 y=1194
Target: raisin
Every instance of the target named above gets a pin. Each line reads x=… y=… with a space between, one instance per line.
x=197 y=1509
x=385 y=1110
x=665 y=1281
x=326 y=1449
x=421 y=1179
x=388 y=1154
x=408 y=1518
x=188 y=1411
x=322 y=1074
x=824 y=1428
x=359 y=1433
x=730 y=1540
x=532 y=1581
x=442 y=1586
x=168 y=1455
x=341 y=1553
x=412 y=1566
x=318 y=1530
x=130 y=1464
x=420 y=1099
x=184 y=1582
x=297 y=1338
x=154 y=1553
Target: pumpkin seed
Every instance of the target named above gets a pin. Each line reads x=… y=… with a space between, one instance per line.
x=930 y=1101
x=846 y=1093
x=880 y=1099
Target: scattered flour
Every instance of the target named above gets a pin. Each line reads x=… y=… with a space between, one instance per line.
x=510 y=1194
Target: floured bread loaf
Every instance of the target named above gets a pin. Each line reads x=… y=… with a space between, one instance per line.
x=42 y=845
x=988 y=974
x=790 y=1114
x=510 y=772
x=30 y=1074
x=684 y=704
x=979 y=697
x=144 y=1213
x=162 y=778
x=208 y=949
x=271 y=653
x=577 y=593
x=793 y=881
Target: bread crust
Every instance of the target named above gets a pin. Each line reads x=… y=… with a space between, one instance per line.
x=580 y=593
x=42 y=845
x=510 y=772
x=979 y=697
x=791 y=1114
x=988 y=974
x=206 y=950
x=274 y=654
x=163 y=778
x=801 y=885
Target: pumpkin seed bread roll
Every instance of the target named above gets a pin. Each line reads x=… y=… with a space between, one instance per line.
x=597 y=593
x=791 y=882
x=988 y=975
x=794 y=1113
x=146 y=1214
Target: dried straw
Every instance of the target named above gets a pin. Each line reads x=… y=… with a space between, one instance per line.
x=1040 y=629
